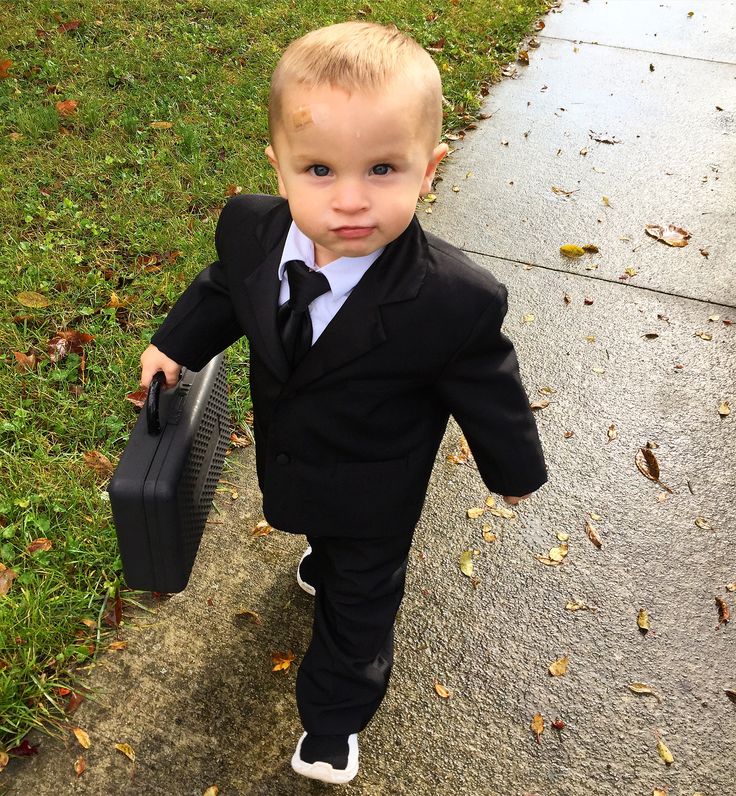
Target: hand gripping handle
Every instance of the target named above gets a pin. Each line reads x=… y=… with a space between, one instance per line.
x=154 y=390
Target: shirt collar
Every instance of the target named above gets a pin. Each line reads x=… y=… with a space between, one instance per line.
x=343 y=274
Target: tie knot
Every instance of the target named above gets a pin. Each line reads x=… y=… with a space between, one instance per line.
x=305 y=285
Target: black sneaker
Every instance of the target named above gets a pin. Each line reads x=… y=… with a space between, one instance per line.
x=328 y=758
x=301 y=573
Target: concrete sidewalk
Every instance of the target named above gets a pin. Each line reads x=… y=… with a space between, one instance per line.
x=194 y=694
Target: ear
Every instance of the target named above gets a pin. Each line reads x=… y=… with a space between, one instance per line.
x=271 y=155
x=438 y=153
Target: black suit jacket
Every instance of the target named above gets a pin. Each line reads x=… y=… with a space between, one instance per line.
x=346 y=442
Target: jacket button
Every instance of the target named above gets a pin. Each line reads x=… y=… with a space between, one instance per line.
x=283 y=458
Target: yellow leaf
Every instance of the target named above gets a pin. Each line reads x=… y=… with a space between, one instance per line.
x=664 y=752
x=261 y=529
x=642 y=620
x=491 y=502
x=537 y=725
x=598 y=370
x=475 y=512
x=631 y=271
x=507 y=514
x=576 y=606
x=563 y=537
x=82 y=737
x=593 y=534
x=558 y=553
x=213 y=790
x=704 y=336
x=659 y=792
x=442 y=691
x=127 y=750
x=543 y=404
x=559 y=667
x=4 y=760
x=488 y=535
x=643 y=688
x=606 y=201
x=570 y=250
x=32 y=299
x=701 y=522
x=724 y=409
x=528 y=318
x=466 y=563
x=731 y=586
x=282 y=660
x=612 y=432
x=118 y=645
x=42 y=543
x=594 y=516
x=161 y=125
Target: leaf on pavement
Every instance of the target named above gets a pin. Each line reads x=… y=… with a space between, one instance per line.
x=664 y=752
x=475 y=512
x=701 y=522
x=4 y=760
x=442 y=691
x=570 y=250
x=127 y=750
x=643 y=688
x=466 y=563
x=558 y=553
x=262 y=529
x=80 y=766
x=507 y=514
x=559 y=667
x=213 y=790
x=465 y=456
x=642 y=620
x=82 y=736
x=537 y=726
x=593 y=534
x=648 y=466
x=731 y=586
x=672 y=236
x=282 y=660
x=724 y=613
x=724 y=410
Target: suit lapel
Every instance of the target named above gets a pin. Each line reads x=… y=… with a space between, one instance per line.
x=357 y=328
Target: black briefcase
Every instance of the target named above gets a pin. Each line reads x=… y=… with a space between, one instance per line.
x=162 y=489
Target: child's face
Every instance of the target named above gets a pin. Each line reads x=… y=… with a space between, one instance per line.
x=352 y=166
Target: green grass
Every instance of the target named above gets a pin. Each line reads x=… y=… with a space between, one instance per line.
x=85 y=199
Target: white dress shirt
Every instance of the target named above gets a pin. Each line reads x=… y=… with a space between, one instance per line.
x=343 y=275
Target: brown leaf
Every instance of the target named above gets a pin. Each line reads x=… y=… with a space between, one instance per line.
x=724 y=613
x=604 y=138
x=114 y=616
x=593 y=534
x=647 y=464
x=6 y=579
x=612 y=433
x=4 y=760
x=67 y=342
x=465 y=456
x=559 y=667
x=674 y=236
x=39 y=544
x=731 y=586
x=233 y=190
x=213 y=790
x=138 y=398
x=537 y=726
x=249 y=616
x=127 y=750
x=118 y=645
x=442 y=691
x=80 y=766
x=524 y=57
x=5 y=65
x=75 y=700
x=25 y=362
x=82 y=736
x=282 y=660
x=67 y=107
x=99 y=463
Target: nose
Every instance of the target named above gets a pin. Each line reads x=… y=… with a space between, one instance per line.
x=349 y=196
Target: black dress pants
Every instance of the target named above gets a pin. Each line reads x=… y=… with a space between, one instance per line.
x=345 y=671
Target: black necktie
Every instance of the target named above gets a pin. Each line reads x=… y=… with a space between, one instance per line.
x=294 y=322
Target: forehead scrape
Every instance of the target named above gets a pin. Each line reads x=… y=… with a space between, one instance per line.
x=301 y=118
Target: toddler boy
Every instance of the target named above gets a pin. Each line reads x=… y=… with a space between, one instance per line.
x=365 y=334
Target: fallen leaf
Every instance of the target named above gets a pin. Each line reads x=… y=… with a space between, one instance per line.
x=559 y=667
x=570 y=250
x=99 y=463
x=5 y=65
x=568 y=434
x=562 y=191
x=703 y=336
x=537 y=726
x=591 y=248
x=643 y=688
x=80 y=766
x=442 y=691
x=648 y=466
x=547 y=561
x=24 y=749
x=465 y=456
x=606 y=201
x=612 y=433
x=262 y=529
x=604 y=138
x=567 y=299
x=118 y=645
x=507 y=514
x=41 y=543
x=282 y=660
x=4 y=760
x=475 y=512
x=250 y=616
x=731 y=586
x=25 y=362
x=563 y=537
x=67 y=107
x=658 y=791
x=75 y=700
x=524 y=57
x=577 y=606
x=724 y=613
x=674 y=236
x=65 y=27
x=161 y=125
x=593 y=534
x=67 y=342
x=701 y=522
x=127 y=750
x=32 y=299
x=664 y=752
x=490 y=502
x=466 y=563
x=82 y=736
x=6 y=579
x=542 y=404
x=528 y=318
x=213 y=790
x=558 y=553
x=642 y=620
x=724 y=410
x=488 y=536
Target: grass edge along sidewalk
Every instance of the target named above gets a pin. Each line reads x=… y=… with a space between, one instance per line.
x=124 y=129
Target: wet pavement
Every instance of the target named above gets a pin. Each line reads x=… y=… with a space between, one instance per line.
x=194 y=694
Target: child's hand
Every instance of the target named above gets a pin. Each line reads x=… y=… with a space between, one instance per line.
x=513 y=501
x=153 y=360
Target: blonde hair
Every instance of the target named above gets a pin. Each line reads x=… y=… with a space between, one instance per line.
x=358 y=56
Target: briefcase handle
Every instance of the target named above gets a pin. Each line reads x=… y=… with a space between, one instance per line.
x=154 y=389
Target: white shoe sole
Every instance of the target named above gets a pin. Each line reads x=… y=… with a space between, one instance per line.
x=324 y=771
x=306 y=586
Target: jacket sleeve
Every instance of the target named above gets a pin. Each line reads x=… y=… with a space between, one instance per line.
x=202 y=322
x=482 y=389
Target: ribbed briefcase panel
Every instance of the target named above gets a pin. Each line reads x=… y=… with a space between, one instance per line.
x=162 y=490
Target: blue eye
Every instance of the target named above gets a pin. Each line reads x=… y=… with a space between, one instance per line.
x=382 y=169
x=319 y=171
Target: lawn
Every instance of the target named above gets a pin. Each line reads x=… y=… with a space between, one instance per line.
x=124 y=127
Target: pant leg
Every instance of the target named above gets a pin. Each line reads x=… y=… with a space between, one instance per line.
x=345 y=672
